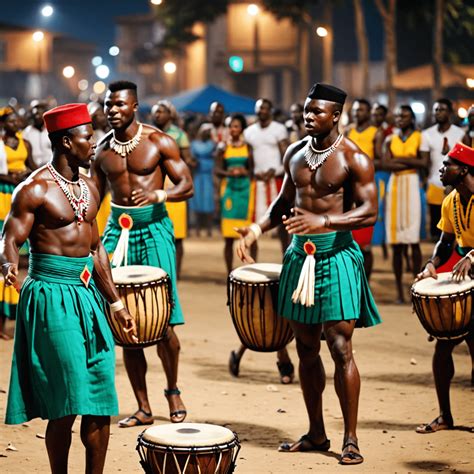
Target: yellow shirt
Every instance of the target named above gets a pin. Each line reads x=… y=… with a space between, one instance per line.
x=364 y=140
x=463 y=226
x=408 y=148
x=16 y=158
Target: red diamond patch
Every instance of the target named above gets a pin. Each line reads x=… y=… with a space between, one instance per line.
x=125 y=221
x=86 y=276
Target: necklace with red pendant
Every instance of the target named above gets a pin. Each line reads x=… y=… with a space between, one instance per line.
x=79 y=204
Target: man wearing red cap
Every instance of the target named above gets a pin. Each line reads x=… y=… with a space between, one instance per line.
x=134 y=159
x=64 y=358
x=456 y=227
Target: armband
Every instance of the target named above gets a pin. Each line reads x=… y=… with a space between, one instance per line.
x=256 y=229
x=161 y=195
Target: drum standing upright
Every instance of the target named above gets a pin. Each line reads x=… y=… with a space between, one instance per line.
x=146 y=293
x=252 y=298
x=443 y=306
x=188 y=448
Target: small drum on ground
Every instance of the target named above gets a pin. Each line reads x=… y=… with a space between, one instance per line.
x=188 y=448
x=444 y=306
x=146 y=293
x=252 y=292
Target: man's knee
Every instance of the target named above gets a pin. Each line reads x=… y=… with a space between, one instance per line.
x=340 y=350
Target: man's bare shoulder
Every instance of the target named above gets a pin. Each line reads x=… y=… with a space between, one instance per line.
x=297 y=146
x=155 y=134
x=355 y=158
x=33 y=190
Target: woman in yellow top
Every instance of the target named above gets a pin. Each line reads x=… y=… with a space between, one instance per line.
x=403 y=201
x=18 y=154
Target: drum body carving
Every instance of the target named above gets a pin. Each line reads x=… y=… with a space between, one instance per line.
x=146 y=293
x=252 y=298
x=188 y=448
x=443 y=306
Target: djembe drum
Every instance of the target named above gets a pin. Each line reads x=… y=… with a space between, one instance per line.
x=146 y=293
x=444 y=306
x=252 y=292
x=188 y=448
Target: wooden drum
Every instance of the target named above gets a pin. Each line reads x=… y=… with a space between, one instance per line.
x=252 y=298
x=146 y=293
x=188 y=448
x=444 y=306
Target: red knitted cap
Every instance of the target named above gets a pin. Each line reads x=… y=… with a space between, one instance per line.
x=66 y=116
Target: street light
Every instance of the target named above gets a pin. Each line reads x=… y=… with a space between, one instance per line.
x=102 y=71
x=69 y=72
x=170 y=67
x=470 y=82
x=38 y=36
x=99 y=87
x=321 y=31
x=96 y=61
x=47 y=10
x=253 y=9
x=83 y=84
x=156 y=2
x=114 y=50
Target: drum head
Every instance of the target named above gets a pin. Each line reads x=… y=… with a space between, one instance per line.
x=188 y=435
x=443 y=286
x=137 y=274
x=257 y=272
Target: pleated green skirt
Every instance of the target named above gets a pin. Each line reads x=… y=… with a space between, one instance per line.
x=341 y=290
x=64 y=358
x=150 y=242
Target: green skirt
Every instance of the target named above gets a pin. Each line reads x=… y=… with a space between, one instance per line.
x=341 y=289
x=150 y=242
x=64 y=357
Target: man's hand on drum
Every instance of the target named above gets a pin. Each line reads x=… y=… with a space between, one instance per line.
x=303 y=222
x=462 y=269
x=428 y=272
x=140 y=197
x=10 y=273
x=247 y=239
x=127 y=322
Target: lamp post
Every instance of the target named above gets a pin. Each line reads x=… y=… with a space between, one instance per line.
x=254 y=10
x=38 y=37
x=325 y=33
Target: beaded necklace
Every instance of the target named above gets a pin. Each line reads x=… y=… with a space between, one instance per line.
x=79 y=204
x=316 y=158
x=459 y=219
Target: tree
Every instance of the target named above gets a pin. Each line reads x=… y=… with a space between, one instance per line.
x=363 y=46
x=388 y=12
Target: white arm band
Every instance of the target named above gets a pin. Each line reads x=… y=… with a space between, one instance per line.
x=256 y=229
x=470 y=256
x=117 y=306
x=161 y=195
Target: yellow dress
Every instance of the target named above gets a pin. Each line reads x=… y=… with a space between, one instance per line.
x=403 y=201
x=364 y=140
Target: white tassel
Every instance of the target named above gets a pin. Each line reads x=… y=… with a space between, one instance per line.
x=121 y=251
x=304 y=292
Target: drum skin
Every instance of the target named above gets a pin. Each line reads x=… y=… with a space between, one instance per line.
x=149 y=304
x=444 y=316
x=200 y=453
x=253 y=307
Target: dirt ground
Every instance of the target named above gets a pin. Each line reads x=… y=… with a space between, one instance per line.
x=394 y=360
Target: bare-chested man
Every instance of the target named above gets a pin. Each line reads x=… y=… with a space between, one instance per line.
x=328 y=190
x=135 y=159
x=64 y=358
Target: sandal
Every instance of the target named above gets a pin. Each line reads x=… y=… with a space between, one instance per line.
x=304 y=448
x=180 y=414
x=133 y=420
x=438 y=424
x=287 y=372
x=350 y=457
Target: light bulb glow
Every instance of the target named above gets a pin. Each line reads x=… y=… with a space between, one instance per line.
x=102 y=71
x=96 y=61
x=114 y=50
x=38 y=36
x=99 y=87
x=69 y=72
x=169 y=67
x=321 y=31
x=47 y=10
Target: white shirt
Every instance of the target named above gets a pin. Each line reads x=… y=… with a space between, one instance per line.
x=432 y=141
x=40 y=144
x=3 y=158
x=264 y=141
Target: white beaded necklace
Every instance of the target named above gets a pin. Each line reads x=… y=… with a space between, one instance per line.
x=316 y=158
x=125 y=148
x=79 y=204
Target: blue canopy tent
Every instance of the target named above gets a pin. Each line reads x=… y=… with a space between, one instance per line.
x=199 y=100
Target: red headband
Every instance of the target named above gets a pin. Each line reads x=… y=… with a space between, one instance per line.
x=462 y=153
x=66 y=116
